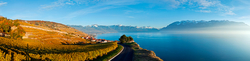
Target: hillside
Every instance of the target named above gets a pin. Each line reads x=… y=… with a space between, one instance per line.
x=40 y=31
x=213 y=25
x=45 y=41
x=57 y=26
x=51 y=32
x=98 y=29
x=18 y=50
x=11 y=29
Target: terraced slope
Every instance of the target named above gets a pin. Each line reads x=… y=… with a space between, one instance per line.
x=51 y=33
x=18 y=50
x=43 y=41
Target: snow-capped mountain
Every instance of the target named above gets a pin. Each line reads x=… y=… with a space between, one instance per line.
x=95 y=29
x=186 y=25
x=206 y=25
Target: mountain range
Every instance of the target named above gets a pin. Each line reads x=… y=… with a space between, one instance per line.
x=185 y=25
x=215 y=25
x=98 y=29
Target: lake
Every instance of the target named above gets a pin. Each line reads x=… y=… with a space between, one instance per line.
x=192 y=47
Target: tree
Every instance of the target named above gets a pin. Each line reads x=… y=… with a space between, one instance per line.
x=130 y=38
x=16 y=22
x=122 y=41
x=123 y=38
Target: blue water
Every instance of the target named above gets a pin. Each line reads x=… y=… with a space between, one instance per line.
x=192 y=47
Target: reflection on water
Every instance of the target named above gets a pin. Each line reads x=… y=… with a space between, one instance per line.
x=192 y=47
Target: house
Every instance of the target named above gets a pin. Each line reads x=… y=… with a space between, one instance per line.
x=104 y=41
x=2 y=34
x=98 y=40
x=87 y=37
x=109 y=41
x=93 y=39
x=131 y=41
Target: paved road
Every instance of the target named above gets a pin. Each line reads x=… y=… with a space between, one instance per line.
x=125 y=55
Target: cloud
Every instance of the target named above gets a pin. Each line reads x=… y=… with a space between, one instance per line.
x=205 y=11
x=131 y=17
x=133 y=11
x=173 y=3
x=205 y=6
x=103 y=5
x=3 y=3
x=87 y=11
x=245 y=17
x=70 y=3
x=54 y=4
x=204 y=3
x=59 y=3
x=230 y=13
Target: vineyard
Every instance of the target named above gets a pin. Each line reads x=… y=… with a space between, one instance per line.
x=17 y=50
x=43 y=41
x=11 y=29
x=56 y=34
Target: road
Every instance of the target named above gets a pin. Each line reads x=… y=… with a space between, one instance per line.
x=125 y=55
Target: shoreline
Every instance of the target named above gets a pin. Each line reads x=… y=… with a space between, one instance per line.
x=141 y=54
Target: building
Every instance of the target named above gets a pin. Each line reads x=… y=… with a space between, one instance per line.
x=2 y=34
x=87 y=37
x=131 y=41
x=104 y=41
x=93 y=39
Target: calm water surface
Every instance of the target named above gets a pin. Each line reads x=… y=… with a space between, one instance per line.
x=192 y=47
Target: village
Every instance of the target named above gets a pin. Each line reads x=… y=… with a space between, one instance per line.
x=92 y=39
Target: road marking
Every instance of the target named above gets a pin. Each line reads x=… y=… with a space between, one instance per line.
x=116 y=54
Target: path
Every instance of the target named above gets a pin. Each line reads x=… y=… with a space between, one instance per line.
x=125 y=55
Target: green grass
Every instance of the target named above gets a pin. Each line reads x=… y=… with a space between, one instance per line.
x=110 y=54
x=133 y=45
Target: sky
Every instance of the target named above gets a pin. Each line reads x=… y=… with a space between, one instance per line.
x=154 y=13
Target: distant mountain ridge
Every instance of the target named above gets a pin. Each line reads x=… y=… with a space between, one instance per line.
x=185 y=25
x=205 y=25
x=97 y=29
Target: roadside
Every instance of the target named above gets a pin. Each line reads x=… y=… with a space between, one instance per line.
x=143 y=54
x=125 y=55
x=110 y=55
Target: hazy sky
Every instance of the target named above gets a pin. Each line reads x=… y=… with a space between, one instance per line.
x=155 y=13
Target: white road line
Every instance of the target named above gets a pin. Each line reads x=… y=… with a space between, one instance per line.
x=116 y=54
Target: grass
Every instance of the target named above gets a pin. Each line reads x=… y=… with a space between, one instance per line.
x=134 y=45
x=110 y=54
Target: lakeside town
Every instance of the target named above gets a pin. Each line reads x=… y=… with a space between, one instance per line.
x=93 y=39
